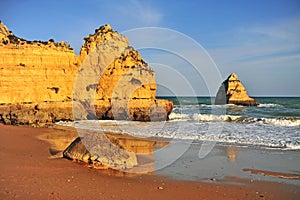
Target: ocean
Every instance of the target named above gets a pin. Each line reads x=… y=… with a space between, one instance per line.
x=275 y=123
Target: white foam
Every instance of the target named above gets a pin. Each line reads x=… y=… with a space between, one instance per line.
x=215 y=118
x=220 y=106
x=292 y=146
x=65 y=123
x=282 y=121
x=178 y=116
x=274 y=121
x=256 y=133
x=269 y=105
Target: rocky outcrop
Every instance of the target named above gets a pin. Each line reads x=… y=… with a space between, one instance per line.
x=126 y=88
x=98 y=150
x=111 y=150
x=38 y=114
x=232 y=91
x=35 y=75
x=65 y=142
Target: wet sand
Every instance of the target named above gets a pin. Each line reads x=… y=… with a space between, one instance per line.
x=32 y=169
x=250 y=163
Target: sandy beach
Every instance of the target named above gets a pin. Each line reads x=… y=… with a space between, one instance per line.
x=29 y=171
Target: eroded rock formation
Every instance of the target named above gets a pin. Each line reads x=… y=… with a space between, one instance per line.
x=111 y=150
x=232 y=91
x=98 y=150
x=37 y=81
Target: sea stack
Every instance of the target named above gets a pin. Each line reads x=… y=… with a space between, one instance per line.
x=37 y=81
x=232 y=91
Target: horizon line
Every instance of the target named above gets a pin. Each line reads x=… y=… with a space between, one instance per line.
x=257 y=96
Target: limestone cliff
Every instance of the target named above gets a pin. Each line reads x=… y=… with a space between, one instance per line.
x=36 y=75
x=35 y=71
x=232 y=91
x=124 y=86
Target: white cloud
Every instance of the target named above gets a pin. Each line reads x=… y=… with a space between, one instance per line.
x=140 y=11
x=263 y=55
x=261 y=44
x=286 y=30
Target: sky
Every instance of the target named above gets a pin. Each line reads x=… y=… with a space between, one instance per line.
x=258 y=40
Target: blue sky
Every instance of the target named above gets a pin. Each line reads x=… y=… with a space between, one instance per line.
x=258 y=40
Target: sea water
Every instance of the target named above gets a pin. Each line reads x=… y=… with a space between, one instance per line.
x=275 y=123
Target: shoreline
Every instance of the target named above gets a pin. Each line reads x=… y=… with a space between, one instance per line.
x=30 y=170
x=145 y=150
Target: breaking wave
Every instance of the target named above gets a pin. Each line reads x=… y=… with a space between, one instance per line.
x=178 y=117
x=284 y=121
x=215 y=118
x=288 y=121
x=269 y=105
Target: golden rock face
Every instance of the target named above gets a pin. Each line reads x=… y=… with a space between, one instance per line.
x=232 y=91
x=35 y=72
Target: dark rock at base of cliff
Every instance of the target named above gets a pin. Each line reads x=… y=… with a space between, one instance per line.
x=47 y=113
x=37 y=115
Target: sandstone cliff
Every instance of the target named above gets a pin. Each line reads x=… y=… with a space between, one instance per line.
x=37 y=81
x=34 y=72
x=232 y=91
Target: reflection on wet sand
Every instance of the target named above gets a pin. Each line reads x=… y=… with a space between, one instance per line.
x=274 y=174
x=231 y=153
x=143 y=148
